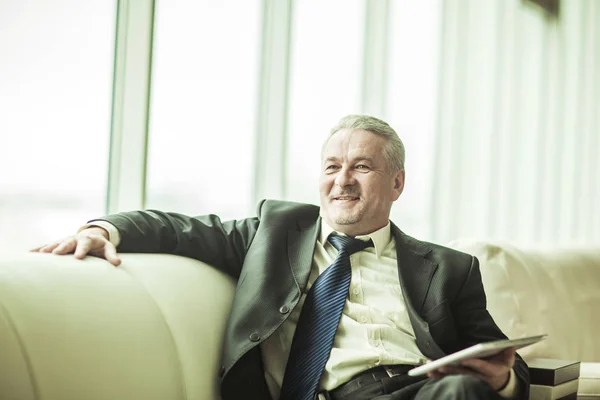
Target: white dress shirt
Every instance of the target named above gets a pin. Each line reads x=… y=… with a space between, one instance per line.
x=374 y=328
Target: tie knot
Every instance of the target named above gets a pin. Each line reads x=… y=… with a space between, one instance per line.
x=348 y=244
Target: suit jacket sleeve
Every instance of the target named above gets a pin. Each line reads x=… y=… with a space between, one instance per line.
x=206 y=238
x=476 y=325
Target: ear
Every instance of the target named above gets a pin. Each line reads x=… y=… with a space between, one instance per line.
x=398 y=184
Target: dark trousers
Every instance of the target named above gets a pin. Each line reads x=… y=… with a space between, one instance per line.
x=404 y=387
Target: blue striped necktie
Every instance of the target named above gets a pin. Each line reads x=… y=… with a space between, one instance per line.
x=318 y=323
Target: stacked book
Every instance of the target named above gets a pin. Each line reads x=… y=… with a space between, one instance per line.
x=553 y=379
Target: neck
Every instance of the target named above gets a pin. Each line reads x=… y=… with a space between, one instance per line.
x=355 y=229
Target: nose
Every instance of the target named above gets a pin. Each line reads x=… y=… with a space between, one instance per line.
x=345 y=177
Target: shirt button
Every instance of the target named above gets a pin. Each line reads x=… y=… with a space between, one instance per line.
x=377 y=362
x=284 y=309
x=363 y=319
x=356 y=291
x=255 y=337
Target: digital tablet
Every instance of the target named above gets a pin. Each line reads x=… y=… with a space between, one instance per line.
x=481 y=350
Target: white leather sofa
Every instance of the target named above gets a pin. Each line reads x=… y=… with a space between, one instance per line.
x=152 y=328
x=556 y=292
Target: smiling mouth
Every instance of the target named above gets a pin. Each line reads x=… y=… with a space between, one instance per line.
x=345 y=198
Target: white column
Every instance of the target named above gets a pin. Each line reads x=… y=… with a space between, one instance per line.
x=131 y=95
x=375 y=57
x=270 y=164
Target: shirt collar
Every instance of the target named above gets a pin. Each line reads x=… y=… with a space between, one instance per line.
x=381 y=237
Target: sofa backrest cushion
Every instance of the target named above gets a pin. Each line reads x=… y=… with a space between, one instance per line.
x=538 y=291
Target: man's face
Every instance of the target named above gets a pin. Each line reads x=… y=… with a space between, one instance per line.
x=356 y=185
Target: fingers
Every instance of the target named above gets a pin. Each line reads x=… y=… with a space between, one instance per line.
x=495 y=381
x=97 y=245
x=47 y=248
x=85 y=244
x=82 y=244
x=496 y=365
x=507 y=356
x=65 y=247
x=457 y=370
x=435 y=375
x=494 y=370
x=504 y=357
x=110 y=254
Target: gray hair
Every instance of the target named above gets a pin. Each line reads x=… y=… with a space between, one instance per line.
x=393 y=152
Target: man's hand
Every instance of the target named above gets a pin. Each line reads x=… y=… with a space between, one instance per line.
x=92 y=241
x=494 y=370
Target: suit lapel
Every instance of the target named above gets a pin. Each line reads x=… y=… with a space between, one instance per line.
x=414 y=269
x=302 y=241
x=415 y=274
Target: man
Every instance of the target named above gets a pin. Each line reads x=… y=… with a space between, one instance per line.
x=334 y=302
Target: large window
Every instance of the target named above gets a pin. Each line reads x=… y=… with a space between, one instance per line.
x=55 y=93
x=202 y=117
x=412 y=105
x=326 y=78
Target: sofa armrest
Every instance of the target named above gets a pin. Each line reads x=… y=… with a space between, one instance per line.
x=149 y=329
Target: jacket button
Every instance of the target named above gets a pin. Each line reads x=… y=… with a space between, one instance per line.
x=284 y=309
x=255 y=337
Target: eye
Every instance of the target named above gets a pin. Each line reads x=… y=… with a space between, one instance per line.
x=331 y=167
x=362 y=166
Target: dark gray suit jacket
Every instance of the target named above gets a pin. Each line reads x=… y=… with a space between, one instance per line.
x=271 y=255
